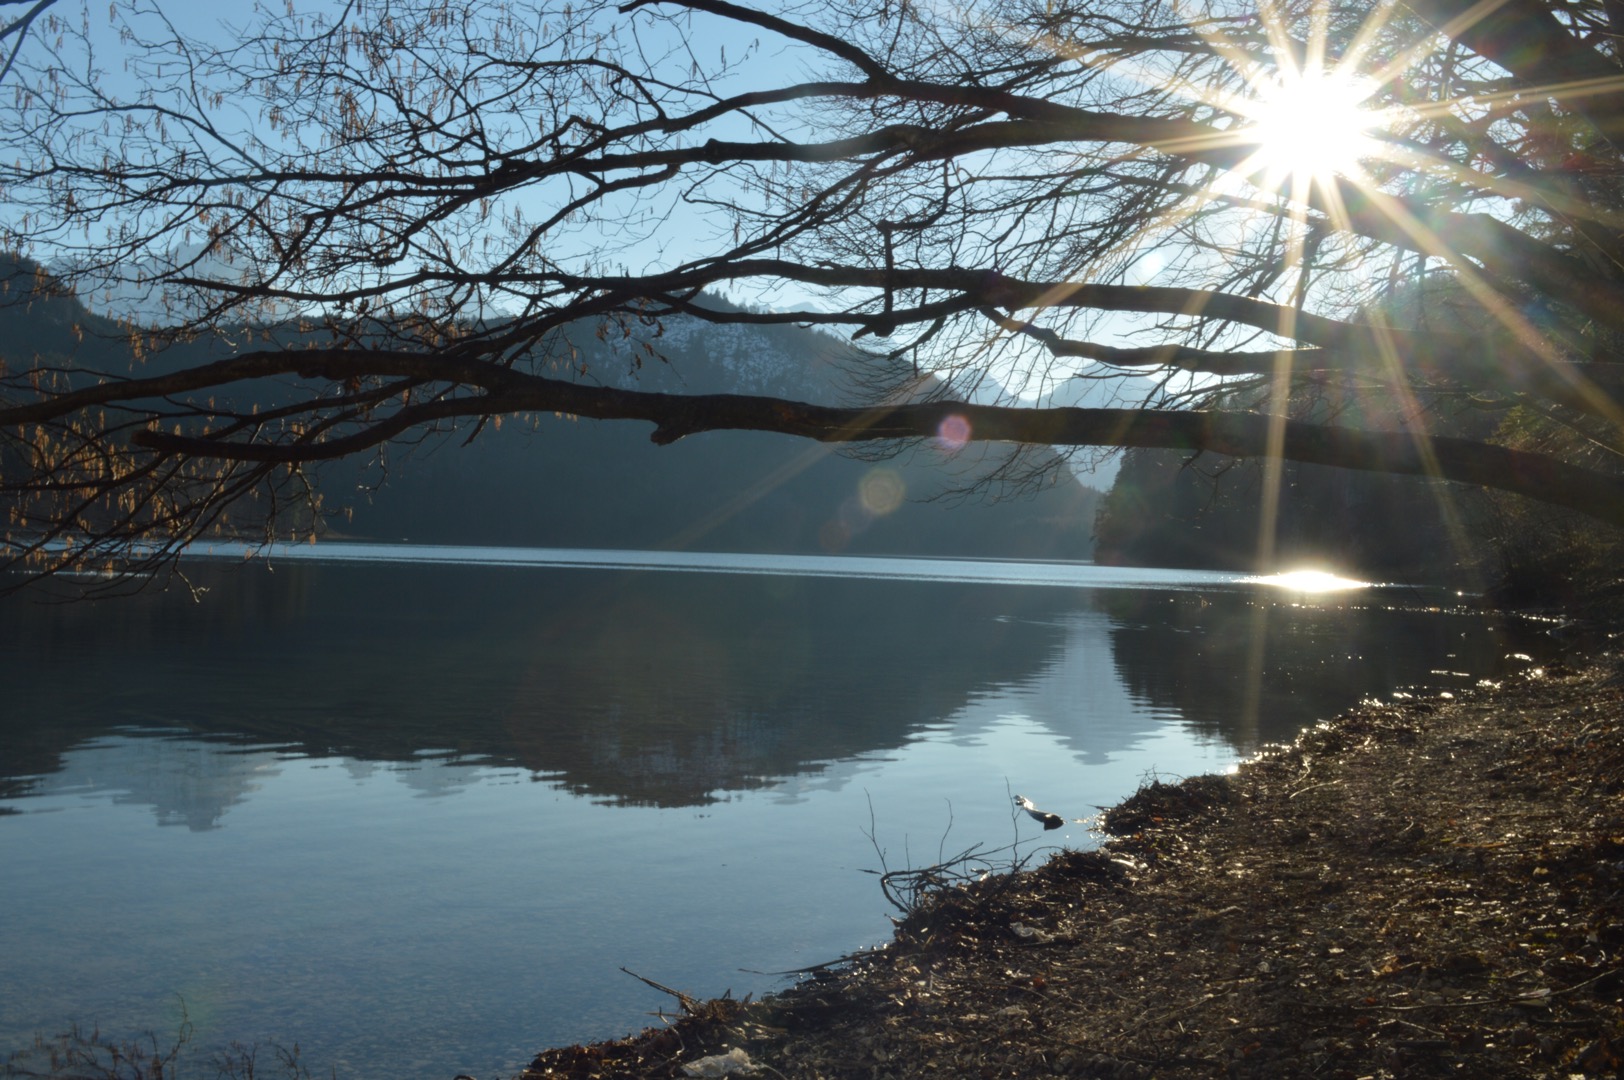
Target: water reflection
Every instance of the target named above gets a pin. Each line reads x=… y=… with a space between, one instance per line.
x=1253 y=672
x=641 y=688
x=396 y=788
x=636 y=688
x=185 y=781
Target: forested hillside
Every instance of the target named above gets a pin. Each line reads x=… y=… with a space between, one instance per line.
x=1171 y=509
x=558 y=481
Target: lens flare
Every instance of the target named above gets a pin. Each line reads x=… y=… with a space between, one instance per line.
x=881 y=491
x=953 y=432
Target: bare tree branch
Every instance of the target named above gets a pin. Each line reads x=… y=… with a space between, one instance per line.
x=343 y=229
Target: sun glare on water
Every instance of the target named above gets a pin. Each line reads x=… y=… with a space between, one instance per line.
x=1310 y=581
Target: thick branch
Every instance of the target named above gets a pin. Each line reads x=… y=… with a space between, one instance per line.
x=1525 y=38
x=1594 y=389
x=1236 y=434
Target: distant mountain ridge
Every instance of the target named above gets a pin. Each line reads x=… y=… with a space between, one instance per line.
x=731 y=491
x=562 y=482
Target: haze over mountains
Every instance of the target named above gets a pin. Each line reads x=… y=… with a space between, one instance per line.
x=556 y=481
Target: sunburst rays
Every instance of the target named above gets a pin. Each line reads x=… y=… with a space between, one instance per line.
x=1310 y=126
x=1320 y=113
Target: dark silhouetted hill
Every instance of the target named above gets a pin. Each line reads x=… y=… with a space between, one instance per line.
x=554 y=481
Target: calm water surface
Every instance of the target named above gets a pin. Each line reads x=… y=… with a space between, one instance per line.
x=414 y=809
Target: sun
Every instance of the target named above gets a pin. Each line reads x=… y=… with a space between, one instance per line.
x=1308 y=126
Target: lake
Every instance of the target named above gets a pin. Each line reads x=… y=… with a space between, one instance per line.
x=414 y=809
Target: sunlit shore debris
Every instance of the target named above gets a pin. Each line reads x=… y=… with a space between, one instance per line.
x=734 y=1061
x=1049 y=821
x=1279 y=921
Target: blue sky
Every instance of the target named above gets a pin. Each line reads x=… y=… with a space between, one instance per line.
x=773 y=62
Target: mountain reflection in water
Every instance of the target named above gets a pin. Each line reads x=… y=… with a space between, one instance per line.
x=667 y=689
x=505 y=782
